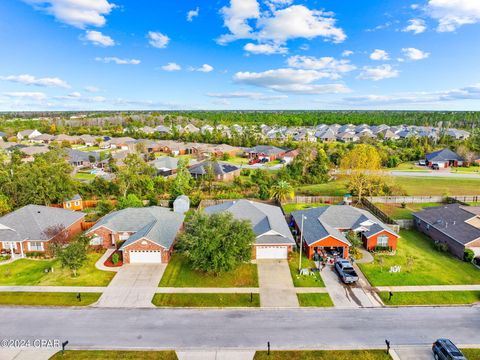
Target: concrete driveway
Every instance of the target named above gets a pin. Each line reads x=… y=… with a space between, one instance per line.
x=276 y=285
x=133 y=286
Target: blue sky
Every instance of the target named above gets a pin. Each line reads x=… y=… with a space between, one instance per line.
x=239 y=54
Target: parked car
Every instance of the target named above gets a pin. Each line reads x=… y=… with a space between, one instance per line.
x=253 y=161
x=264 y=160
x=345 y=271
x=435 y=167
x=444 y=349
x=422 y=162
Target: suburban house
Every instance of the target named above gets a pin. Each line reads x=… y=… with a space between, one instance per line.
x=31 y=227
x=325 y=229
x=87 y=140
x=75 y=203
x=456 y=225
x=43 y=139
x=28 y=134
x=274 y=239
x=444 y=158
x=79 y=158
x=222 y=171
x=29 y=152
x=265 y=151
x=146 y=234
x=165 y=165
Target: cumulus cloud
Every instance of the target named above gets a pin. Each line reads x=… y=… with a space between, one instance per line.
x=118 y=61
x=452 y=14
x=205 y=68
x=171 y=67
x=415 y=54
x=347 y=53
x=78 y=13
x=379 y=54
x=290 y=80
x=235 y=19
x=327 y=64
x=193 y=13
x=99 y=39
x=247 y=95
x=416 y=26
x=157 y=39
x=27 y=79
x=265 y=49
x=26 y=95
x=378 y=73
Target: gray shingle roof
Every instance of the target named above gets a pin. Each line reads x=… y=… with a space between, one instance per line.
x=219 y=168
x=267 y=221
x=154 y=223
x=30 y=222
x=443 y=155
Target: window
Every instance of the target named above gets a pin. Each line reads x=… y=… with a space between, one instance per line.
x=68 y=204
x=77 y=203
x=97 y=240
x=35 y=246
x=124 y=236
x=8 y=245
x=382 y=240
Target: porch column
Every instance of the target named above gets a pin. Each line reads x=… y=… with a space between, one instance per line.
x=12 y=250
x=21 y=249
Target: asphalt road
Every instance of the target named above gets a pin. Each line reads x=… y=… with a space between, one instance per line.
x=242 y=329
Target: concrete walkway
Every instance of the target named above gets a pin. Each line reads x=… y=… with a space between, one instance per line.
x=367 y=257
x=216 y=355
x=276 y=285
x=27 y=353
x=100 y=263
x=133 y=286
x=412 y=353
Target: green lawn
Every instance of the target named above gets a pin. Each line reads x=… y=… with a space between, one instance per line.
x=409 y=166
x=288 y=208
x=428 y=267
x=32 y=272
x=84 y=176
x=333 y=188
x=114 y=354
x=474 y=203
x=472 y=354
x=179 y=274
x=304 y=280
x=315 y=300
x=396 y=211
x=206 y=300
x=438 y=185
x=47 y=298
x=431 y=298
x=323 y=355
x=466 y=169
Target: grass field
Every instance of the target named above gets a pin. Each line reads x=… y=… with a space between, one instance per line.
x=472 y=354
x=84 y=176
x=47 y=298
x=431 y=298
x=32 y=272
x=323 y=355
x=206 y=300
x=409 y=166
x=114 y=354
x=304 y=280
x=315 y=300
x=396 y=211
x=427 y=266
x=288 y=208
x=179 y=274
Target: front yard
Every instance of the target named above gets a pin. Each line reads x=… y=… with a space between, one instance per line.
x=421 y=264
x=47 y=298
x=114 y=354
x=179 y=274
x=431 y=298
x=396 y=211
x=323 y=355
x=314 y=280
x=206 y=300
x=315 y=300
x=28 y=272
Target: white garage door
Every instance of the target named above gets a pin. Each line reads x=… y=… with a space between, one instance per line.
x=145 y=257
x=272 y=252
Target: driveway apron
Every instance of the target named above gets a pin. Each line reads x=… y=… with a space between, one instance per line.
x=133 y=286
x=276 y=285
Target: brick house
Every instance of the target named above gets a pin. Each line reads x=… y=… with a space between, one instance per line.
x=444 y=158
x=28 y=228
x=265 y=151
x=325 y=229
x=145 y=235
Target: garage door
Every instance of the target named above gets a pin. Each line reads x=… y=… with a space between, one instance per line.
x=272 y=252
x=145 y=257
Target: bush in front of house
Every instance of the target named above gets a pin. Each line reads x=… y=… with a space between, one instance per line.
x=34 y=254
x=440 y=246
x=468 y=255
x=115 y=258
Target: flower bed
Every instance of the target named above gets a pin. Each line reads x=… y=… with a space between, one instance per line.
x=109 y=261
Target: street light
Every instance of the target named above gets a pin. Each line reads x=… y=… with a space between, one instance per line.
x=301 y=244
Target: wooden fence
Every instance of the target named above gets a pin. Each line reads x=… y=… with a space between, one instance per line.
x=210 y=202
x=377 y=212
x=423 y=199
x=88 y=225
x=314 y=199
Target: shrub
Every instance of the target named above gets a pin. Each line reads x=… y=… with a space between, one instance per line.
x=442 y=247
x=115 y=258
x=32 y=254
x=403 y=205
x=468 y=255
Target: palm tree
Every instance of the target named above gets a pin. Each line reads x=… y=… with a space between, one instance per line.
x=282 y=191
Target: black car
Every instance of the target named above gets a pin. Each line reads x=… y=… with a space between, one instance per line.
x=444 y=349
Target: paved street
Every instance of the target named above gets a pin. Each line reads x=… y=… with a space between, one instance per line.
x=244 y=329
x=276 y=285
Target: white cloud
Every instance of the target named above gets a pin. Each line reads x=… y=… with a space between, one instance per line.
x=193 y=13
x=26 y=95
x=290 y=80
x=347 y=53
x=235 y=19
x=78 y=13
x=27 y=79
x=328 y=64
x=378 y=73
x=379 y=54
x=157 y=39
x=415 y=54
x=91 y=89
x=205 y=68
x=247 y=95
x=417 y=26
x=171 y=67
x=97 y=38
x=118 y=61
x=451 y=14
x=265 y=49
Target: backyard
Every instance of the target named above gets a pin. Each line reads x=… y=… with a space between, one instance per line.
x=180 y=274
x=421 y=264
x=28 y=272
x=288 y=208
x=397 y=211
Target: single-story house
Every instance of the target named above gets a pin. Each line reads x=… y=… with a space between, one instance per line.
x=31 y=227
x=28 y=134
x=222 y=171
x=75 y=203
x=456 y=225
x=273 y=237
x=82 y=158
x=165 y=165
x=147 y=234
x=43 y=139
x=88 y=140
x=325 y=229
x=28 y=152
x=444 y=158
x=265 y=151
x=67 y=138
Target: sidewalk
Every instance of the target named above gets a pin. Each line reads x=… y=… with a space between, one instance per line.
x=100 y=263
